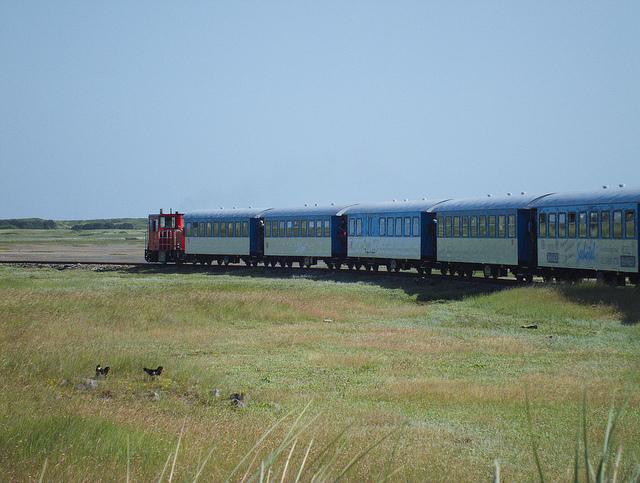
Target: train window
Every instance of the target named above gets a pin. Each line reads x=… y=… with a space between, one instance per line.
x=572 y=225
x=473 y=224
x=582 y=225
x=542 y=225
x=370 y=226
x=223 y=229
x=416 y=226
x=617 y=224
x=512 y=226
x=562 y=225
x=382 y=227
x=238 y=229
x=230 y=229
x=151 y=226
x=352 y=227
x=318 y=228
x=267 y=229
x=492 y=226
x=482 y=226
x=502 y=226
x=593 y=224
x=303 y=228
x=289 y=229
x=327 y=228
x=605 y=224
x=448 y=227
x=245 y=229
x=465 y=227
x=552 y=219
x=398 y=227
x=390 y=226
x=359 y=227
x=208 y=232
x=296 y=228
x=630 y=224
x=407 y=226
x=312 y=228
x=274 y=229
x=216 y=229
x=440 y=227
x=202 y=229
x=281 y=229
x=188 y=230
x=456 y=226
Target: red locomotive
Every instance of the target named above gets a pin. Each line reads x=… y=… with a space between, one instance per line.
x=165 y=238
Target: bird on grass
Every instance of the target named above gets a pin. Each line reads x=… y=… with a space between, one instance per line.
x=153 y=372
x=101 y=371
x=237 y=399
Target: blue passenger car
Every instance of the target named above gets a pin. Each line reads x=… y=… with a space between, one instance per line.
x=399 y=235
x=586 y=234
x=305 y=236
x=226 y=236
x=494 y=235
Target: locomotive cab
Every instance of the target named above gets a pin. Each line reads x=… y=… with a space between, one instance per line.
x=165 y=238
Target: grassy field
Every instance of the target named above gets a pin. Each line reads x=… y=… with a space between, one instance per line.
x=440 y=369
x=10 y=237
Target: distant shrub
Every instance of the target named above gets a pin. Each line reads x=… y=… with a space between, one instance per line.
x=103 y=225
x=28 y=224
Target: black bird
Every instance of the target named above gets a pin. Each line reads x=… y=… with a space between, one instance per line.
x=153 y=372
x=101 y=371
x=237 y=399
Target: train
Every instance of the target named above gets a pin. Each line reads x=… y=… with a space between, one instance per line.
x=556 y=236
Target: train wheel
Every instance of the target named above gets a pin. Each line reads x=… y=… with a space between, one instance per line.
x=486 y=271
x=350 y=266
x=376 y=267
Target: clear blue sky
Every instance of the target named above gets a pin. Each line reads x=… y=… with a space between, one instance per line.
x=118 y=108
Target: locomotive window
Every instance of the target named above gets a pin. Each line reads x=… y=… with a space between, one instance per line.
x=465 y=227
x=359 y=227
x=605 y=224
x=390 y=226
x=441 y=227
x=456 y=226
x=474 y=226
x=630 y=224
x=572 y=225
x=617 y=224
x=416 y=226
x=407 y=226
x=512 y=226
x=448 y=227
x=312 y=228
x=296 y=228
x=542 y=225
x=281 y=230
x=245 y=229
x=303 y=228
x=492 y=226
x=552 y=225
x=482 y=225
x=502 y=226
x=267 y=229
x=318 y=228
x=382 y=227
x=593 y=224
x=582 y=225
x=562 y=225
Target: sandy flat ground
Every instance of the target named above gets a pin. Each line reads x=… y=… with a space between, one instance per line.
x=121 y=252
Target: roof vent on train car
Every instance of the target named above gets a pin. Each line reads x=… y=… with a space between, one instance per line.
x=405 y=200
x=424 y=199
x=332 y=204
x=621 y=185
x=394 y=200
x=508 y=194
x=604 y=187
x=523 y=193
x=306 y=204
x=488 y=195
x=315 y=204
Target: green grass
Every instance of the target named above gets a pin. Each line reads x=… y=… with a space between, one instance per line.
x=10 y=237
x=443 y=367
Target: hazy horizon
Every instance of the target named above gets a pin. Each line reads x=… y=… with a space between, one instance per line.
x=117 y=109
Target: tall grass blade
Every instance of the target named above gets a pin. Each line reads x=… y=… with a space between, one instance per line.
x=605 y=447
x=534 y=440
x=496 y=471
x=392 y=455
x=324 y=451
x=588 y=470
x=616 y=465
x=164 y=468
x=576 y=458
x=204 y=463
x=286 y=464
x=128 y=461
x=175 y=456
x=306 y=455
x=361 y=455
x=44 y=469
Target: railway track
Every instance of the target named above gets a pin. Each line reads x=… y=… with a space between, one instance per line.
x=328 y=274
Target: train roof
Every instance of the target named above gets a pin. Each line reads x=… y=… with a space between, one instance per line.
x=225 y=213
x=488 y=203
x=392 y=206
x=601 y=197
x=304 y=211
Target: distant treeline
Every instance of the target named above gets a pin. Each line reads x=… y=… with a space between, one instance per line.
x=103 y=225
x=28 y=224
